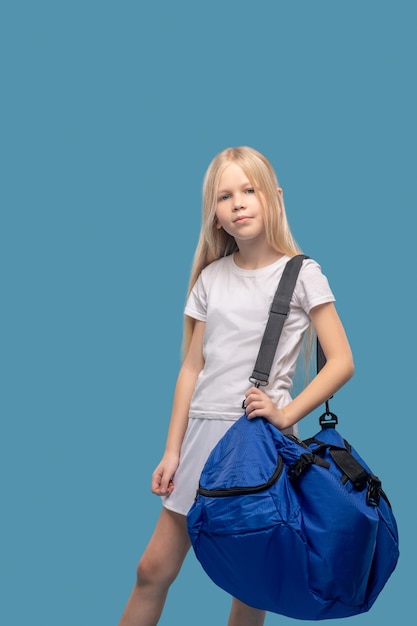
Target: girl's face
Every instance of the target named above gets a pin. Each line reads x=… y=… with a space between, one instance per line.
x=239 y=210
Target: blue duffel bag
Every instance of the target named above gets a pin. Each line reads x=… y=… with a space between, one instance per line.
x=299 y=528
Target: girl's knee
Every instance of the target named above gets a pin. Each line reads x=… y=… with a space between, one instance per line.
x=165 y=552
x=152 y=571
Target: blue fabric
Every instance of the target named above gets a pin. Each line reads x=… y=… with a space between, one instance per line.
x=309 y=548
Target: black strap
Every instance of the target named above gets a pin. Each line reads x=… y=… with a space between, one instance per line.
x=278 y=312
x=321 y=359
x=357 y=474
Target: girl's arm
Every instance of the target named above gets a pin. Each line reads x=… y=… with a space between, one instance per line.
x=337 y=371
x=162 y=477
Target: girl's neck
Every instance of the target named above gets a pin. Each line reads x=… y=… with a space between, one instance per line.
x=254 y=259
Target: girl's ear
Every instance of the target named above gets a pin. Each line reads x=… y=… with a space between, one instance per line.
x=280 y=192
x=217 y=224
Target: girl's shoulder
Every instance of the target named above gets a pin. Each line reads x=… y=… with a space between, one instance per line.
x=311 y=268
x=211 y=274
x=217 y=267
x=224 y=261
x=312 y=287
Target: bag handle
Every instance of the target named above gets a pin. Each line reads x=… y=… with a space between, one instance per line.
x=277 y=314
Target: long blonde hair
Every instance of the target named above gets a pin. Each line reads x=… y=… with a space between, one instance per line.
x=215 y=243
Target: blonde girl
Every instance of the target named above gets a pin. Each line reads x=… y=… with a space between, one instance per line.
x=244 y=244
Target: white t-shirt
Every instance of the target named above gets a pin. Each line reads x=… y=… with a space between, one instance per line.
x=234 y=303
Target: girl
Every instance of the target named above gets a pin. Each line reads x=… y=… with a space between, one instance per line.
x=244 y=245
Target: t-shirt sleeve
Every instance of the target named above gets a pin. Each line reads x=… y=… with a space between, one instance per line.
x=196 y=305
x=312 y=287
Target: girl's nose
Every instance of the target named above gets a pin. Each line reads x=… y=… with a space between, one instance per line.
x=238 y=202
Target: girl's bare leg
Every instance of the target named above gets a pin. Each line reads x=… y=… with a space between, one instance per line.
x=244 y=615
x=157 y=569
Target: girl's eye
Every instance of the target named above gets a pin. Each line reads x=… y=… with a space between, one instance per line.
x=224 y=197
x=250 y=190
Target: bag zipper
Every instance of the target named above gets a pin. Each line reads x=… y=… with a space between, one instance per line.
x=242 y=491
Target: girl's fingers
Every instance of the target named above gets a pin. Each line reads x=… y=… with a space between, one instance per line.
x=160 y=485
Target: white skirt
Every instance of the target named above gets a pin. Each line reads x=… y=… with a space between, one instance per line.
x=200 y=438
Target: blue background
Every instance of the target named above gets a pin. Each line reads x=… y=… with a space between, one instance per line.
x=111 y=113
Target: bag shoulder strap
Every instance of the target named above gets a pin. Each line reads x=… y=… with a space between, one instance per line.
x=278 y=312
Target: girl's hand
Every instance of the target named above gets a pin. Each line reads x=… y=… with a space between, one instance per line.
x=259 y=404
x=162 y=477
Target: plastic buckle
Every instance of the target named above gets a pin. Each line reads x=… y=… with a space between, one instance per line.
x=257 y=383
x=297 y=468
x=328 y=419
x=373 y=495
